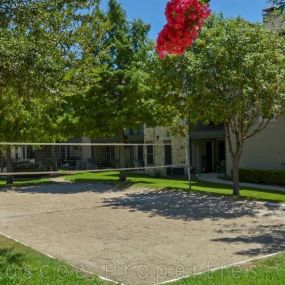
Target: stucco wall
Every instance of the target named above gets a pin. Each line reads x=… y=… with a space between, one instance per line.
x=265 y=150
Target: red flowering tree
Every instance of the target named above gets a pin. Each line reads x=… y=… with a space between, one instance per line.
x=185 y=18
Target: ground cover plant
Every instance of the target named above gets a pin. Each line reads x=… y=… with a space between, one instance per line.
x=22 y=265
x=140 y=180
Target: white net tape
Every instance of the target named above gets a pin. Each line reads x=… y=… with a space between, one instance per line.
x=35 y=159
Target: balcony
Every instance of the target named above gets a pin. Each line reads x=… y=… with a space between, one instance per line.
x=210 y=131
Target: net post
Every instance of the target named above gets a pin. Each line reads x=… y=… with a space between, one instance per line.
x=188 y=158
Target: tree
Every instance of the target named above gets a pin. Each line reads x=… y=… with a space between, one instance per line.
x=236 y=75
x=110 y=91
x=278 y=3
x=36 y=48
x=174 y=107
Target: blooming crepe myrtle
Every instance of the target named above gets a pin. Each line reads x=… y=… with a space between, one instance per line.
x=185 y=18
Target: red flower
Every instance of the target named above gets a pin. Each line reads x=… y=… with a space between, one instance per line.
x=185 y=18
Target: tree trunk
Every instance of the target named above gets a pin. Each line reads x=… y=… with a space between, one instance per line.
x=236 y=153
x=236 y=183
x=122 y=175
x=1 y=164
x=9 y=179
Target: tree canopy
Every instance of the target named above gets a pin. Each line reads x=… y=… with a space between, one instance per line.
x=36 y=40
x=236 y=75
x=110 y=86
x=278 y=3
x=108 y=83
x=233 y=75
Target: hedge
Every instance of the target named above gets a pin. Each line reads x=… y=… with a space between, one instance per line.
x=274 y=177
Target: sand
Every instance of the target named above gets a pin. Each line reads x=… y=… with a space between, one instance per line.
x=140 y=236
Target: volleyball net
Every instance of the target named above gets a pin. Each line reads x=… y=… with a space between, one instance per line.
x=40 y=159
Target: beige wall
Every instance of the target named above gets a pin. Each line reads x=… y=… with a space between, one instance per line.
x=86 y=151
x=163 y=135
x=265 y=150
x=274 y=22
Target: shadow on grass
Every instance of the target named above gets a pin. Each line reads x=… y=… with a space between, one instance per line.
x=132 y=178
x=23 y=182
x=92 y=183
x=110 y=179
x=8 y=257
x=135 y=179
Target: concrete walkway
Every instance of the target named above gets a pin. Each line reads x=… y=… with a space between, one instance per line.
x=213 y=178
x=59 y=179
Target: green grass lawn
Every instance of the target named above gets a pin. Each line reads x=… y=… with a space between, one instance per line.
x=160 y=183
x=22 y=265
x=26 y=182
x=165 y=183
x=270 y=271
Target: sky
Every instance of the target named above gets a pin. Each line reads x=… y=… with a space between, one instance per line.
x=152 y=11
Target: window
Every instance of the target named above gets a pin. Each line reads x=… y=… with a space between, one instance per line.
x=140 y=153
x=150 y=158
x=139 y=131
x=111 y=153
x=31 y=154
x=168 y=154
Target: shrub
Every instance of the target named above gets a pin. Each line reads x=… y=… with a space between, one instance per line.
x=276 y=177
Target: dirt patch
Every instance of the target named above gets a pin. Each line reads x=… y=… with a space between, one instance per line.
x=140 y=236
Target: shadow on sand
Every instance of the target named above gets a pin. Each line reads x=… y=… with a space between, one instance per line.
x=183 y=205
x=271 y=239
x=175 y=204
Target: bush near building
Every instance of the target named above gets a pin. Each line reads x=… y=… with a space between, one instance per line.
x=274 y=177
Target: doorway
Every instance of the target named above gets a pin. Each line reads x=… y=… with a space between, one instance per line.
x=209 y=157
x=222 y=151
x=168 y=157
